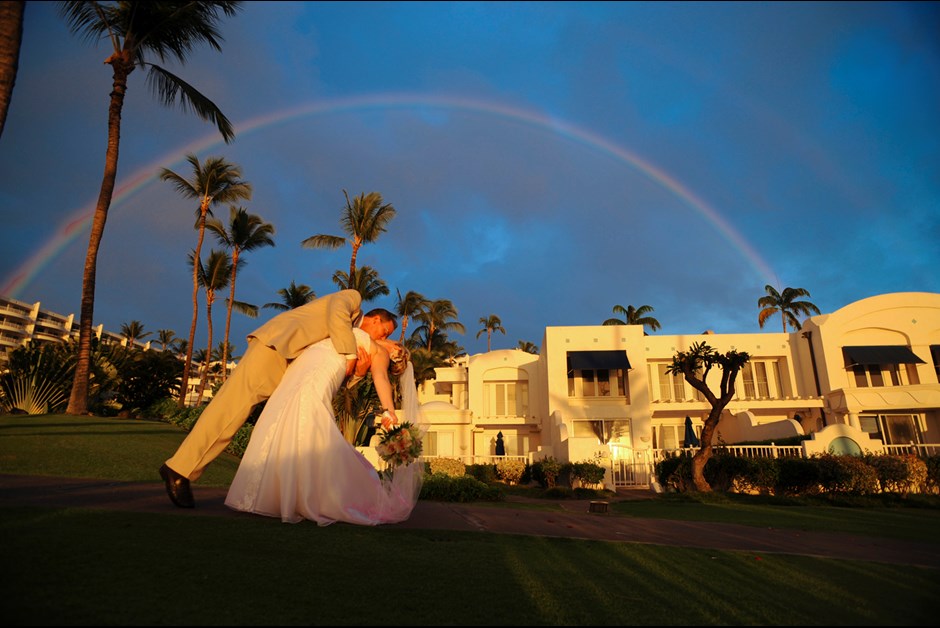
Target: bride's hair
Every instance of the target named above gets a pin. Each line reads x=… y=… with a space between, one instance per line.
x=399 y=362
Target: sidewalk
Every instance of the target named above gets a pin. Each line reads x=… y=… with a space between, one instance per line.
x=558 y=518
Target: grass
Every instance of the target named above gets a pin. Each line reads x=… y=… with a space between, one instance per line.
x=72 y=566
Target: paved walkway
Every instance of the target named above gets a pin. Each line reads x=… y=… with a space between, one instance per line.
x=562 y=518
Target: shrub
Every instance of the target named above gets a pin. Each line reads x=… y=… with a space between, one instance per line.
x=846 y=474
x=797 y=476
x=898 y=474
x=486 y=473
x=588 y=473
x=443 y=487
x=448 y=466
x=546 y=471
x=510 y=470
x=675 y=473
x=933 y=473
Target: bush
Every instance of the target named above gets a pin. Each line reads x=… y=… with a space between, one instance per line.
x=675 y=473
x=486 y=473
x=797 y=476
x=447 y=466
x=898 y=474
x=446 y=488
x=846 y=474
x=588 y=473
x=546 y=472
x=510 y=470
x=933 y=473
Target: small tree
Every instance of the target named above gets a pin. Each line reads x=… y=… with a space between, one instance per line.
x=695 y=364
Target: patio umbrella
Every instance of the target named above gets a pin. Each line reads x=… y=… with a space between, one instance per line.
x=691 y=440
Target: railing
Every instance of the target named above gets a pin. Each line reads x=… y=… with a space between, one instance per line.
x=911 y=448
x=631 y=467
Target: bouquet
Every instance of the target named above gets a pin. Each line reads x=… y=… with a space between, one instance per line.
x=399 y=445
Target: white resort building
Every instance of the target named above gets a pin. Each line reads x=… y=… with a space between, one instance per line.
x=863 y=378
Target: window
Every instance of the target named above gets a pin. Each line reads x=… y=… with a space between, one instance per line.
x=506 y=398
x=892 y=429
x=671 y=386
x=880 y=375
x=598 y=383
x=754 y=376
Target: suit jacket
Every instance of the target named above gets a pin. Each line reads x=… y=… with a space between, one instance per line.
x=330 y=316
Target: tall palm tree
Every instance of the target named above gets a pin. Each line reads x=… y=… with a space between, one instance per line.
x=490 y=324
x=365 y=280
x=166 y=338
x=136 y=29
x=784 y=303
x=407 y=307
x=438 y=317
x=215 y=181
x=245 y=232
x=634 y=316
x=213 y=276
x=11 y=35
x=132 y=332
x=363 y=221
x=292 y=296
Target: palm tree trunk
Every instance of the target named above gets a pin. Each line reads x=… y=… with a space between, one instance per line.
x=228 y=316
x=187 y=366
x=78 y=400
x=205 y=372
x=11 y=36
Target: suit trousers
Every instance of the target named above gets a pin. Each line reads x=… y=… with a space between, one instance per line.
x=254 y=379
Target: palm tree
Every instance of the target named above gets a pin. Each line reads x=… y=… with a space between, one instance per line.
x=11 y=34
x=245 y=232
x=363 y=220
x=365 y=280
x=132 y=332
x=407 y=307
x=490 y=324
x=292 y=296
x=166 y=338
x=784 y=303
x=438 y=317
x=135 y=29
x=634 y=316
x=528 y=347
x=216 y=181
x=213 y=276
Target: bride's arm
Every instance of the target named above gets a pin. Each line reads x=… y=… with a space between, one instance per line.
x=383 y=385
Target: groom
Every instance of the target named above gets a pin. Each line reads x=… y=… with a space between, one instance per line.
x=271 y=347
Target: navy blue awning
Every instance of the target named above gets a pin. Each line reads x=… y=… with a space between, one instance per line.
x=580 y=360
x=879 y=354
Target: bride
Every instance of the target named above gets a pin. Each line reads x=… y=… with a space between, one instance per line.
x=298 y=465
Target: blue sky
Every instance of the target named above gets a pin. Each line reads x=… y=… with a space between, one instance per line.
x=547 y=161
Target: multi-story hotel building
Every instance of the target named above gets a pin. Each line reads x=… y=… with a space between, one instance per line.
x=870 y=372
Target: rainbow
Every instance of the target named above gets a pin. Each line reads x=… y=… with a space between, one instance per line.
x=79 y=220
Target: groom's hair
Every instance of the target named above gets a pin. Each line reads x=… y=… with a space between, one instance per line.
x=384 y=315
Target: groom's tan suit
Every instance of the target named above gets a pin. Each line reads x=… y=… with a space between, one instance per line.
x=270 y=349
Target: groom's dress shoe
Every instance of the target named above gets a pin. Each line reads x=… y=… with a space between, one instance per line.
x=177 y=487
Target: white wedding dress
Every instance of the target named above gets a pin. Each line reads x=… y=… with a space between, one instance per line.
x=299 y=466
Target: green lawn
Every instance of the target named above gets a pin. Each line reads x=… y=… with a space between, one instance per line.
x=86 y=567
